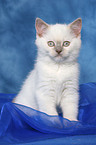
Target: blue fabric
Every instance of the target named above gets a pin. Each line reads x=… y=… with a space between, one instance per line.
x=19 y=123
x=17 y=36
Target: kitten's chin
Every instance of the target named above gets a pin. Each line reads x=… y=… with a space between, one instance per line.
x=63 y=59
x=58 y=58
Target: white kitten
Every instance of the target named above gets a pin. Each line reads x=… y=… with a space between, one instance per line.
x=54 y=80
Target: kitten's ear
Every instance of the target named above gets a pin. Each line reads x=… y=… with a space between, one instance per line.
x=41 y=27
x=76 y=26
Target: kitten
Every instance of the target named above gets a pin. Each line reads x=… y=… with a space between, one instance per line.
x=54 y=80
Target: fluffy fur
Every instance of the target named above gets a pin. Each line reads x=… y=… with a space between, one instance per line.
x=54 y=80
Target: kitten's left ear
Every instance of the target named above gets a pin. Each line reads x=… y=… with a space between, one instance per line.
x=76 y=26
x=41 y=27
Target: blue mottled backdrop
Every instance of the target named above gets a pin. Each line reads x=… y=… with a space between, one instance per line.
x=17 y=36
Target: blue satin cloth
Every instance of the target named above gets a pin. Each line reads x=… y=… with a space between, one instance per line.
x=19 y=123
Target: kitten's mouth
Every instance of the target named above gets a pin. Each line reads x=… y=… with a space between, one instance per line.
x=58 y=55
x=60 y=58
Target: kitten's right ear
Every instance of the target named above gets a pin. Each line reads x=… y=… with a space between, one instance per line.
x=76 y=26
x=41 y=27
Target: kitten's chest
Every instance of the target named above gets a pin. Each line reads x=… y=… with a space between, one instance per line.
x=58 y=73
x=52 y=79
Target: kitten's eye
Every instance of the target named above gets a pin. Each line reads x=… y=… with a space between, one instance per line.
x=66 y=43
x=51 y=43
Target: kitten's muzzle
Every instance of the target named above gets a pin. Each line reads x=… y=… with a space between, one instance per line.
x=58 y=49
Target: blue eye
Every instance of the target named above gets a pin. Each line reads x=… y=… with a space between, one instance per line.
x=51 y=43
x=66 y=43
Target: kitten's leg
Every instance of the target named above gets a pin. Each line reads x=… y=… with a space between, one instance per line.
x=46 y=103
x=69 y=102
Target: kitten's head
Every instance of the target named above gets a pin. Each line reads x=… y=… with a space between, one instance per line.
x=59 y=42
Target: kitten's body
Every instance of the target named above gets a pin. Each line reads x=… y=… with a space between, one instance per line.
x=54 y=80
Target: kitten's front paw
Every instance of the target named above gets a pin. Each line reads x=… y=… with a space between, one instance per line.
x=71 y=118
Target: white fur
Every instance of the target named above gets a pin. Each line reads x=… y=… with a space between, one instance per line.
x=54 y=80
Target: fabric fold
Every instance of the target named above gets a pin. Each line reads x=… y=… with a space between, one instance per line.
x=21 y=123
